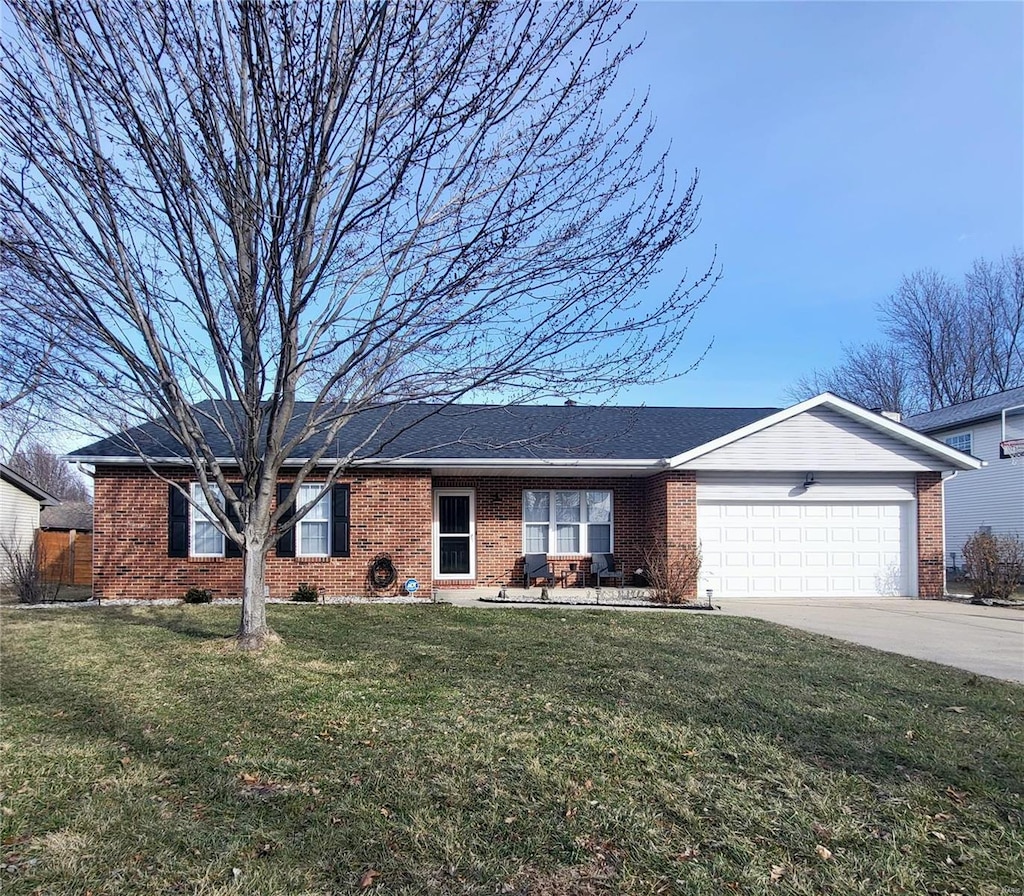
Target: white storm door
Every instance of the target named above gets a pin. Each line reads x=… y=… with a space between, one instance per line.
x=454 y=534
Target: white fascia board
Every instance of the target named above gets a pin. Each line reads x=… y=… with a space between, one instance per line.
x=482 y=464
x=957 y=459
x=132 y=460
x=532 y=463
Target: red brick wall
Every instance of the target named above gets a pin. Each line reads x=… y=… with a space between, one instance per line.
x=499 y=528
x=931 y=567
x=390 y=512
x=671 y=502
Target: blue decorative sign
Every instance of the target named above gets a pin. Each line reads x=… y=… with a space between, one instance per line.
x=412 y=586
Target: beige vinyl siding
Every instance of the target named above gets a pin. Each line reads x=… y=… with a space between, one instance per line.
x=992 y=496
x=781 y=487
x=816 y=440
x=19 y=519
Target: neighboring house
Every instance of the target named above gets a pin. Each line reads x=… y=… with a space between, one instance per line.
x=820 y=499
x=991 y=498
x=20 y=503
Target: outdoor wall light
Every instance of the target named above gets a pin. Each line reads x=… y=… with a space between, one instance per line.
x=809 y=480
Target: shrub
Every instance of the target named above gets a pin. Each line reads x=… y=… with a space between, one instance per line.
x=198 y=596
x=24 y=571
x=994 y=564
x=305 y=594
x=672 y=574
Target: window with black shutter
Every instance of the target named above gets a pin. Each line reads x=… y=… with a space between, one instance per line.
x=340 y=520
x=177 y=520
x=286 y=543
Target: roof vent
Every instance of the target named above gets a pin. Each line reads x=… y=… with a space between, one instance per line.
x=893 y=415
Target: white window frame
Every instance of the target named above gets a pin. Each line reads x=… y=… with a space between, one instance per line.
x=300 y=502
x=436 y=535
x=584 y=523
x=956 y=437
x=196 y=493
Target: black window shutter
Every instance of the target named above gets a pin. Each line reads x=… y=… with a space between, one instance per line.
x=231 y=549
x=286 y=543
x=177 y=521
x=339 y=521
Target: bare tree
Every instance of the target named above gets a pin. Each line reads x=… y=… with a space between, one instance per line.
x=875 y=375
x=44 y=468
x=355 y=204
x=946 y=342
x=995 y=294
x=24 y=355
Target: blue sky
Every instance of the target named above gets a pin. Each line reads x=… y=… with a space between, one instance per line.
x=840 y=146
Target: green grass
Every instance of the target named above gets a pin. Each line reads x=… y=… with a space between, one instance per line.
x=496 y=751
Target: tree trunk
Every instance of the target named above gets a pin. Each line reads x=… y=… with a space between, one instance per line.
x=253 y=631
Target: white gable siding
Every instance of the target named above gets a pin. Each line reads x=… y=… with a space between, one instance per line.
x=19 y=519
x=818 y=439
x=992 y=496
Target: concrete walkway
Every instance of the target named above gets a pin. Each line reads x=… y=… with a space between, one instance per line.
x=986 y=640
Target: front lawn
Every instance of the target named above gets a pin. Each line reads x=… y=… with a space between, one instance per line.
x=399 y=749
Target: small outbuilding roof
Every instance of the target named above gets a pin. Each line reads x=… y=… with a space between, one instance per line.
x=66 y=516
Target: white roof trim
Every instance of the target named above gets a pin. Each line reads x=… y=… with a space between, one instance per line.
x=957 y=459
x=418 y=463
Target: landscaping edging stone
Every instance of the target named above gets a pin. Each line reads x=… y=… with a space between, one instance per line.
x=612 y=604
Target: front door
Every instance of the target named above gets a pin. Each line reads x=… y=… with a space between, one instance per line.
x=454 y=534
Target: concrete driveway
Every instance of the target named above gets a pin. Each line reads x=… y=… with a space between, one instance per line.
x=986 y=640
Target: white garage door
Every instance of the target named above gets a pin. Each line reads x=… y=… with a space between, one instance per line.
x=806 y=549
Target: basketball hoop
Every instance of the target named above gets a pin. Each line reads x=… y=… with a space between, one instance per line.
x=1013 y=449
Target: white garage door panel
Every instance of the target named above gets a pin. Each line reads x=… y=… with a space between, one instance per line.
x=805 y=549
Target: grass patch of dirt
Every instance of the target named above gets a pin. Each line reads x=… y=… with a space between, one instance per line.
x=403 y=749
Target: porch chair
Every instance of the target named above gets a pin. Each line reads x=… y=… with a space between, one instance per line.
x=536 y=566
x=602 y=566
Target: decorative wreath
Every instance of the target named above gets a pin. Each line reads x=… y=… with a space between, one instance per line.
x=383 y=573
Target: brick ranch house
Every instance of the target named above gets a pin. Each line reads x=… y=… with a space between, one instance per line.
x=823 y=498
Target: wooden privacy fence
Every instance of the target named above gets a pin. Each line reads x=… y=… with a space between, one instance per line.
x=65 y=557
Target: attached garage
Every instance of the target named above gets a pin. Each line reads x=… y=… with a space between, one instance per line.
x=807 y=548
x=821 y=503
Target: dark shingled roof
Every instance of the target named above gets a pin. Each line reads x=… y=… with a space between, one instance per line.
x=69 y=515
x=495 y=432
x=967 y=412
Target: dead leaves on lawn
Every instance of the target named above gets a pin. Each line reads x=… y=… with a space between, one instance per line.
x=368 y=879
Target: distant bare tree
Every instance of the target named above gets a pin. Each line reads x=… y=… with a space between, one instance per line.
x=874 y=375
x=995 y=293
x=356 y=204
x=946 y=342
x=44 y=468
